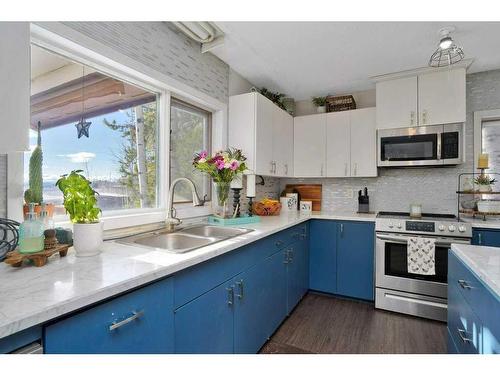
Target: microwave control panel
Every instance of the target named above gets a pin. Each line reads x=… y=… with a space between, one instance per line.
x=420 y=226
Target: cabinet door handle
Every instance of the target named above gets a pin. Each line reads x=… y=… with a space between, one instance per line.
x=464 y=284
x=135 y=315
x=355 y=169
x=412 y=118
x=321 y=169
x=272 y=167
x=479 y=238
x=290 y=255
x=463 y=336
x=240 y=287
x=341 y=229
x=345 y=169
x=287 y=260
x=286 y=169
x=424 y=116
x=230 y=296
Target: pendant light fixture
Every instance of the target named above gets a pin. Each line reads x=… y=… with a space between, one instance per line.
x=448 y=52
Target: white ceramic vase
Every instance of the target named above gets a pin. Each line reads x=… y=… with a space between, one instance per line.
x=485 y=188
x=321 y=109
x=87 y=239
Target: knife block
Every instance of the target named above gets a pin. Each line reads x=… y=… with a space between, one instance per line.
x=363 y=204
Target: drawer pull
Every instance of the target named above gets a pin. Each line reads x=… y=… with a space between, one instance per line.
x=135 y=315
x=464 y=284
x=230 y=296
x=463 y=336
x=240 y=287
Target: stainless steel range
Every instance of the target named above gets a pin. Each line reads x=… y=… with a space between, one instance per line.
x=402 y=291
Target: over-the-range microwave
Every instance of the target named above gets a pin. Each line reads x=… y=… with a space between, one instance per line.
x=420 y=146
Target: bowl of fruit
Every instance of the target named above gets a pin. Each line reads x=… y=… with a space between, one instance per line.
x=267 y=207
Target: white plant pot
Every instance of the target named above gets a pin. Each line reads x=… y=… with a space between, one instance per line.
x=321 y=109
x=87 y=239
x=485 y=188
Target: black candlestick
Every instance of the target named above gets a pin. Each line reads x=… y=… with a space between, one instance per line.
x=236 y=202
x=250 y=203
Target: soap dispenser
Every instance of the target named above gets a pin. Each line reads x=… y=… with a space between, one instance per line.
x=31 y=233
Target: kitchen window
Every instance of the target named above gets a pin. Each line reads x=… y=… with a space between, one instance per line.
x=490 y=143
x=190 y=132
x=91 y=121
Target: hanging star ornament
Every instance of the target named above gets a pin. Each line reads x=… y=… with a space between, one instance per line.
x=82 y=127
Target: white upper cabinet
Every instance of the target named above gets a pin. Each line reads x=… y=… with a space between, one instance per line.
x=264 y=132
x=338 y=144
x=429 y=98
x=397 y=103
x=363 y=138
x=15 y=79
x=309 y=149
x=441 y=97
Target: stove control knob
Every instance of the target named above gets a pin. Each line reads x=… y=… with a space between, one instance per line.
x=451 y=228
x=441 y=228
x=391 y=225
x=462 y=228
x=399 y=225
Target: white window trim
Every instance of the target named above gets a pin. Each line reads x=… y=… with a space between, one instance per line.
x=479 y=118
x=62 y=39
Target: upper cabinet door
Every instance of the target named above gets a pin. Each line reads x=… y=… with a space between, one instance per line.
x=363 y=143
x=283 y=143
x=441 y=97
x=264 y=163
x=15 y=80
x=338 y=144
x=397 y=103
x=309 y=139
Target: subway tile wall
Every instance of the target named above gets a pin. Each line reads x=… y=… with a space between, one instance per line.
x=161 y=46
x=434 y=188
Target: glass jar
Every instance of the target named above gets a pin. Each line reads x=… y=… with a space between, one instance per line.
x=221 y=203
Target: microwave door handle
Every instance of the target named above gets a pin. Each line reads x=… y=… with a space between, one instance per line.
x=404 y=239
x=440 y=135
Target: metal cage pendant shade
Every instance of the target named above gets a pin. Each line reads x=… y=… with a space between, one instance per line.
x=448 y=52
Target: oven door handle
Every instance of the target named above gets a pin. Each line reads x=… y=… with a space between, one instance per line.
x=404 y=239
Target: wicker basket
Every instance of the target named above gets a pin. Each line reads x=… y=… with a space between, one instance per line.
x=340 y=103
x=266 y=208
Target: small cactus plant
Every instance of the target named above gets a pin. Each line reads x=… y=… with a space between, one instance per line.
x=34 y=194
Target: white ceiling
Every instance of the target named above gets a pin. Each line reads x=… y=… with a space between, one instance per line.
x=304 y=59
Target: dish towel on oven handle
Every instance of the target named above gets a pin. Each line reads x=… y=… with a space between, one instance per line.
x=421 y=256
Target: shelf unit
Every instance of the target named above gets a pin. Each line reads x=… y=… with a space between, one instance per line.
x=464 y=204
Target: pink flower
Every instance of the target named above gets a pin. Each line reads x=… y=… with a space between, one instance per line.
x=203 y=155
x=219 y=164
x=234 y=165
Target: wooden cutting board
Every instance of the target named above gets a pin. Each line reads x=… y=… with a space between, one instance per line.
x=307 y=192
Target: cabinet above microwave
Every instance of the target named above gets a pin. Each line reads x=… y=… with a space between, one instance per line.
x=428 y=97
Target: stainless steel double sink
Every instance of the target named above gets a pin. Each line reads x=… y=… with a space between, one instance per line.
x=185 y=239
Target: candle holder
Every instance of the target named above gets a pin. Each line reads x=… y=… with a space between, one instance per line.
x=250 y=203
x=236 y=201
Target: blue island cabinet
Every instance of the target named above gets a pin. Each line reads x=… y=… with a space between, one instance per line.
x=140 y=321
x=355 y=259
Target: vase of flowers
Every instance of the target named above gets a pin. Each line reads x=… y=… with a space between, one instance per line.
x=222 y=167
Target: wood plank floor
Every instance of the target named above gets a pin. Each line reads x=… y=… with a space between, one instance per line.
x=326 y=324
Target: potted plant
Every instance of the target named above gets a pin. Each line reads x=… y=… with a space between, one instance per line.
x=80 y=203
x=320 y=103
x=484 y=182
x=275 y=97
x=34 y=193
x=223 y=167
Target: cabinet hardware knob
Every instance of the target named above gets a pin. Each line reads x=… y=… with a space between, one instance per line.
x=240 y=295
x=463 y=336
x=464 y=284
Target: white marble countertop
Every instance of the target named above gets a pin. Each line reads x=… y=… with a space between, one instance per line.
x=30 y=296
x=483 y=261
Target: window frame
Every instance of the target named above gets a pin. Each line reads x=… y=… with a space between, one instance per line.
x=195 y=108
x=479 y=118
x=84 y=50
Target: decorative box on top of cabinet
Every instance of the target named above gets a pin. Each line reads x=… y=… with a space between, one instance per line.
x=264 y=132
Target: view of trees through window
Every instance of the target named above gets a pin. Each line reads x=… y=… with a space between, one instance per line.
x=103 y=126
x=190 y=133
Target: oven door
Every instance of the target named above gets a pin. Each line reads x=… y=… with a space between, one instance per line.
x=409 y=146
x=392 y=267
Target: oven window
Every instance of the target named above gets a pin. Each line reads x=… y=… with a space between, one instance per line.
x=396 y=263
x=415 y=147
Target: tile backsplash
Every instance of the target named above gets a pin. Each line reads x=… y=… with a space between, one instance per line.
x=3 y=185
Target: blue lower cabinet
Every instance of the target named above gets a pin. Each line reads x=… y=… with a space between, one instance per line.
x=297 y=260
x=205 y=325
x=323 y=256
x=355 y=259
x=486 y=237
x=18 y=340
x=137 y=322
x=260 y=303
